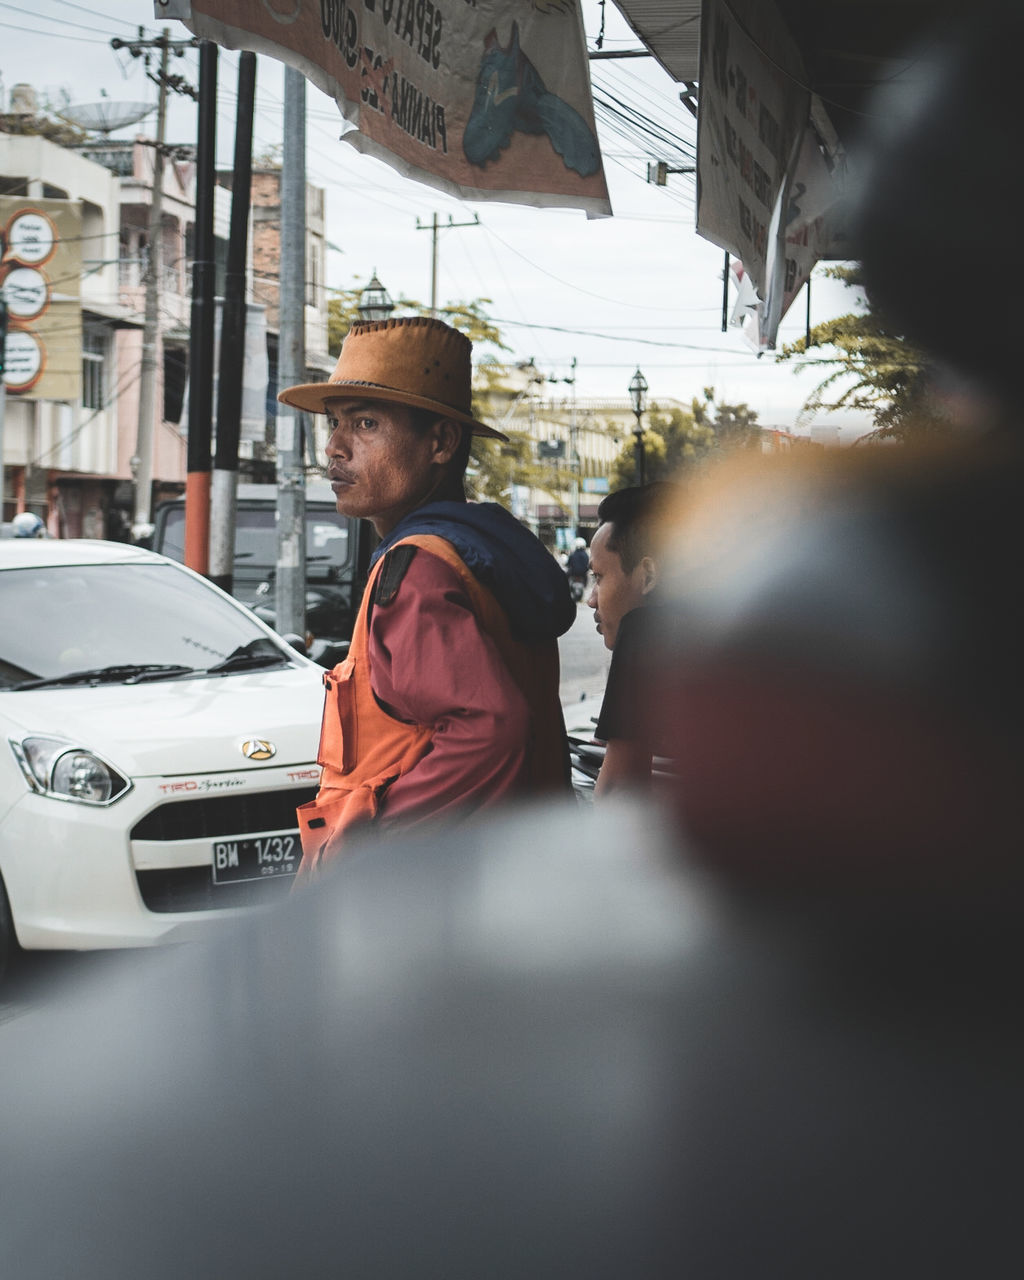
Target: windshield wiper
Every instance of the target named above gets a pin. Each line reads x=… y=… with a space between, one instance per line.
x=124 y=673
x=257 y=653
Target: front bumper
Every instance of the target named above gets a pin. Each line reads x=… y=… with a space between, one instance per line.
x=139 y=872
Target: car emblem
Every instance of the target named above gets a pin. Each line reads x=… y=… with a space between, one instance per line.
x=258 y=749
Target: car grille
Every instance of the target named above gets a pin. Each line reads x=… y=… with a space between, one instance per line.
x=216 y=816
x=191 y=888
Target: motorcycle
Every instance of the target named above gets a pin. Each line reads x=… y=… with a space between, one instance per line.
x=585 y=757
x=578 y=586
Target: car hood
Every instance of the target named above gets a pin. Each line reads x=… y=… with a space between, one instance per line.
x=179 y=726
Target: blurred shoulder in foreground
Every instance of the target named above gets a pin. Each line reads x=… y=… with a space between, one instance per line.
x=545 y=1046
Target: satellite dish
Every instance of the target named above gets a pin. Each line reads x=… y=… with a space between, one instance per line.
x=106 y=116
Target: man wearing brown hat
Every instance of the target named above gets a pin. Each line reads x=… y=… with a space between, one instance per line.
x=448 y=699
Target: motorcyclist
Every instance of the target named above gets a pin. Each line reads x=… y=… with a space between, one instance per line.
x=577 y=567
x=26 y=524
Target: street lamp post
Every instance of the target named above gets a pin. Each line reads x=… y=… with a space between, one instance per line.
x=375 y=301
x=638 y=396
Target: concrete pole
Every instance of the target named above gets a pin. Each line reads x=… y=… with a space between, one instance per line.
x=290 y=597
x=143 y=461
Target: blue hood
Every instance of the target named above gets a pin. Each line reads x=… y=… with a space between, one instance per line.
x=503 y=555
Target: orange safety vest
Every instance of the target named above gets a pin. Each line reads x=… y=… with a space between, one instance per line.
x=363 y=749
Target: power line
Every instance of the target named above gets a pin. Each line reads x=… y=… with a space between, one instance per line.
x=52 y=35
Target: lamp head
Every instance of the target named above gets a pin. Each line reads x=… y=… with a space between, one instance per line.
x=375 y=301
x=638 y=392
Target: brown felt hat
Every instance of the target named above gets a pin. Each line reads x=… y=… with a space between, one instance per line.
x=413 y=360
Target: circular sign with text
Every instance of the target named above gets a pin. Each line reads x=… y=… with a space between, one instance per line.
x=31 y=238
x=24 y=358
x=26 y=292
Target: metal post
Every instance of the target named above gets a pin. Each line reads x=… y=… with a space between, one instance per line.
x=574 y=459
x=639 y=450
x=142 y=463
x=290 y=590
x=224 y=492
x=725 y=293
x=807 y=336
x=200 y=392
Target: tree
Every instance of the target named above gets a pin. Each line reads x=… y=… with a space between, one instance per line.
x=679 y=439
x=469 y=318
x=734 y=425
x=873 y=368
x=495 y=467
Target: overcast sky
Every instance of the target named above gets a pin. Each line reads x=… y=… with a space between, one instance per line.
x=639 y=288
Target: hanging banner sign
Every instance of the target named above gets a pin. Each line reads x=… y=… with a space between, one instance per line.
x=484 y=99
x=40 y=281
x=765 y=191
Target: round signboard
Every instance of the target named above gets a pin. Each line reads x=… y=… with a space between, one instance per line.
x=31 y=238
x=26 y=292
x=24 y=357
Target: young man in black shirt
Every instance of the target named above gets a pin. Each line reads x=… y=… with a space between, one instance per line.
x=624 y=562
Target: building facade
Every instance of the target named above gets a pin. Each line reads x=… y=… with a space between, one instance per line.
x=70 y=444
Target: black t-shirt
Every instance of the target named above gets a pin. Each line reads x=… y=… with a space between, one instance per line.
x=626 y=691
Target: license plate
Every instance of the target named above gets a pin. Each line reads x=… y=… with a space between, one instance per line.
x=256 y=858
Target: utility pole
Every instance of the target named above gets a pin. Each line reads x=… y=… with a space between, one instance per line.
x=142 y=462
x=290 y=593
x=436 y=228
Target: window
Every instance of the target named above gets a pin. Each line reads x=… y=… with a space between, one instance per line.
x=95 y=346
x=175 y=381
x=314 y=273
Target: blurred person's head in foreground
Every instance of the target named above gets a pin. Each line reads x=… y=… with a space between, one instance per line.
x=841 y=676
x=846 y=693
x=938 y=208
x=624 y=553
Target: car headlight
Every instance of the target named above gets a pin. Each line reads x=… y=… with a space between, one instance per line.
x=65 y=771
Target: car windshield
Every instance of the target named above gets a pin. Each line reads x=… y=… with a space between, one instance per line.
x=60 y=620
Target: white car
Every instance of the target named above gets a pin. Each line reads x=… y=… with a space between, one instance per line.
x=155 y=739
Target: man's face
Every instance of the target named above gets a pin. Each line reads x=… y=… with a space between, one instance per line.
x=615 y=592
x=379 y=466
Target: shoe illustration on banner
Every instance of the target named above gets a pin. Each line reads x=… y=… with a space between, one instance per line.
x=511 y=97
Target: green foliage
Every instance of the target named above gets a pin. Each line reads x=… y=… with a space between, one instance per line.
x=679 y=439
x=734 y=426
x=342 y=312
x=872 y=368
x=495 y=467
x=469 y=318
x=270 y=157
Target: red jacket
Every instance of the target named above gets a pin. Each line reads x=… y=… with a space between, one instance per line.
x=364 y=749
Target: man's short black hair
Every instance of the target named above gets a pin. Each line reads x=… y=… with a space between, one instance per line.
x=636 y=515
x=423 y=419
